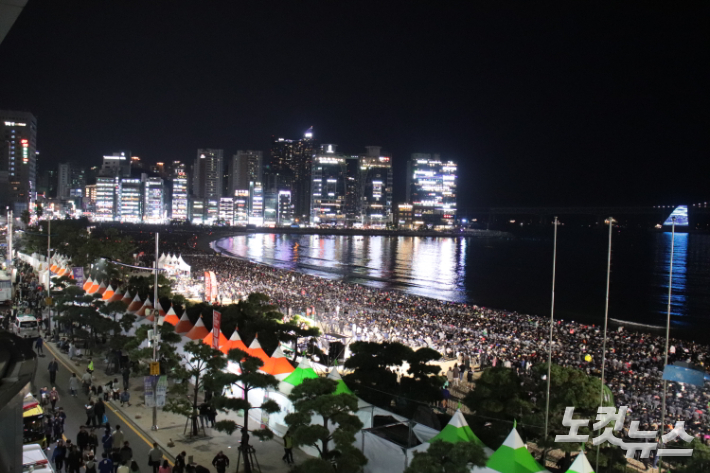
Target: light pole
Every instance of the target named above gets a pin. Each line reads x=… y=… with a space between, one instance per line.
x=155 y=329
x=606 y=320
x=552 y=323
x=49 y=271
x=668 y=333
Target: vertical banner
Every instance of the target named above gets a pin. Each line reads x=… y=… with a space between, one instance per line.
x=213 y=278
x=216 y=325
x=149 y=390
x=78 y=275
x=208 y=287
x=161 y=389
x=264 y=414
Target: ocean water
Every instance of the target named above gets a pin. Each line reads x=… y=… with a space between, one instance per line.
x=514 y=273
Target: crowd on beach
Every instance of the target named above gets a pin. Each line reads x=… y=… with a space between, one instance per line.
x=480 y=336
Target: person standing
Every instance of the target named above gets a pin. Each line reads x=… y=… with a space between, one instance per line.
x=53 y=397
x=105 y=465
x=118 y=437
x=155 y=455
x=82 y=438
x=53 y=368
x=126 y=373
x=74 y=460
x=165 y=467
x=288 y=448
x=99 y=411
x=220 y=462
x=39 y=343
x=126 y=453
x=59 y=454
x=73 y=384
x=180 y=463
x=107 y=441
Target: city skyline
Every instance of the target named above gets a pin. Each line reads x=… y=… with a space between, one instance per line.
x=565 y=104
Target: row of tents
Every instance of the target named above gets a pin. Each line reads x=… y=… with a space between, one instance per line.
x=380 y=438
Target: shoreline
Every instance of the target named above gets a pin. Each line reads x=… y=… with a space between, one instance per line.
x=205 y=243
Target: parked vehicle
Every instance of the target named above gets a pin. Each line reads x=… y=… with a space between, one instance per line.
x=34 y=459
x=25 y=326
x=33 y=422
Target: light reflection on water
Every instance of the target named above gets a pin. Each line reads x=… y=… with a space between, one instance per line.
x=432 y=267
x=511 y=273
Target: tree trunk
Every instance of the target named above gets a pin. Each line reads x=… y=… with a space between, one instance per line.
x=245 y=448
x=195 y=427
x=324 y=453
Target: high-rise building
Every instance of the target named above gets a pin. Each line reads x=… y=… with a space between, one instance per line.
x=328 y=187
x=285 y=208
x=197 y=210
x=256 y=204
x=78 y=181
x=431 y=189
x=64 y=180
x=153 y=200
x=179 y=199
x=117 y=164
x=241 y=207
x=246 y=167
x=375 y=188
x=18 y=156
x=226 y=211
x=130 y=200
x=106 y=206
x=289 y=167
x=208 y=174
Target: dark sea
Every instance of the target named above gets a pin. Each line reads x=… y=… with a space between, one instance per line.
x=515 y=273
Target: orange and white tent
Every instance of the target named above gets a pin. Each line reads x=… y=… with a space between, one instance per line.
x=147 y=309
x=135 y=304
x=256 y=351
x=234 y=342
x=87 y=284
x=221 y=341
x=94 y=287
x=278 y=365
x=115 y=297
x=184 y=325
x=171 y=317
x=161 y=311
x=108 y=293
x=199 y=331
x=127 y=299
x=102 y=288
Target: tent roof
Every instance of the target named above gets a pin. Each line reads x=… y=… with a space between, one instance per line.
x=108 y=293
x=457 y=430
x=87 y=284
x=341 y=388
x=184 y=325
x=513 y=457
x=256 y=351
x=198 y=331
x=234 y=342
x=135 y=304
x=116 y=296
x=208 y=339
x=581 y=465
x=171 y=317
x=302 y=372
x=277 y=364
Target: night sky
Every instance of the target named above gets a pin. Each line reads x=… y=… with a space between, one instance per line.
x=541 y=103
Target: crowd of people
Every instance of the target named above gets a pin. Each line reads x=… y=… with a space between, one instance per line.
x=481 y=336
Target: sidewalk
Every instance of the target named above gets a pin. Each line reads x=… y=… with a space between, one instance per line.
x=172 y=426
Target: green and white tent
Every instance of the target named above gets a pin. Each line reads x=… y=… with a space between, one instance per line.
x=511 y=457
x=458 y=430
x=342 y=387
x=304 y=370
x=581 y=465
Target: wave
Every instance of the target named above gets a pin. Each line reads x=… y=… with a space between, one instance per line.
x=637 y=324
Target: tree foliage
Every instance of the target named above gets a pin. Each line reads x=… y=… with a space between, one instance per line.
x=374 y=380
x=316 y=398
x=200 y=368
x=142 y=353
x=248 y=379
x=446 y=457
x=79 y=312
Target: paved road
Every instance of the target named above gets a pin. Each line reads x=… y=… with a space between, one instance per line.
x=74 y=408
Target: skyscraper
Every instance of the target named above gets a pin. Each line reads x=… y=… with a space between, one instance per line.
x=245 y=167
x=375 y=187
x=431 y=189
x=117 y=164
x=328 y=187
x=153 y=200
x=107 y=194
x=289 y=167
x=208 y=174
x=179 y=201
x=130 y=200
x=18 y=156
x=64 y=180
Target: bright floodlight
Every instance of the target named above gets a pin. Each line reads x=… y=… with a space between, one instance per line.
x=681 y=217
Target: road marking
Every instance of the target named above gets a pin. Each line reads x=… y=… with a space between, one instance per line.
x=120 y=416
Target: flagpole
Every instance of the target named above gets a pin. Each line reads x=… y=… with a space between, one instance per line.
x=606 y=322
x=552 y=324
x=668 y=332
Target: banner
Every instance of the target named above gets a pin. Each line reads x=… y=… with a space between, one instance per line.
x=216 y=325
x=149 y=390
x=78 y=275
x=161 y=390
x=208 y=287
x=213 y=278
